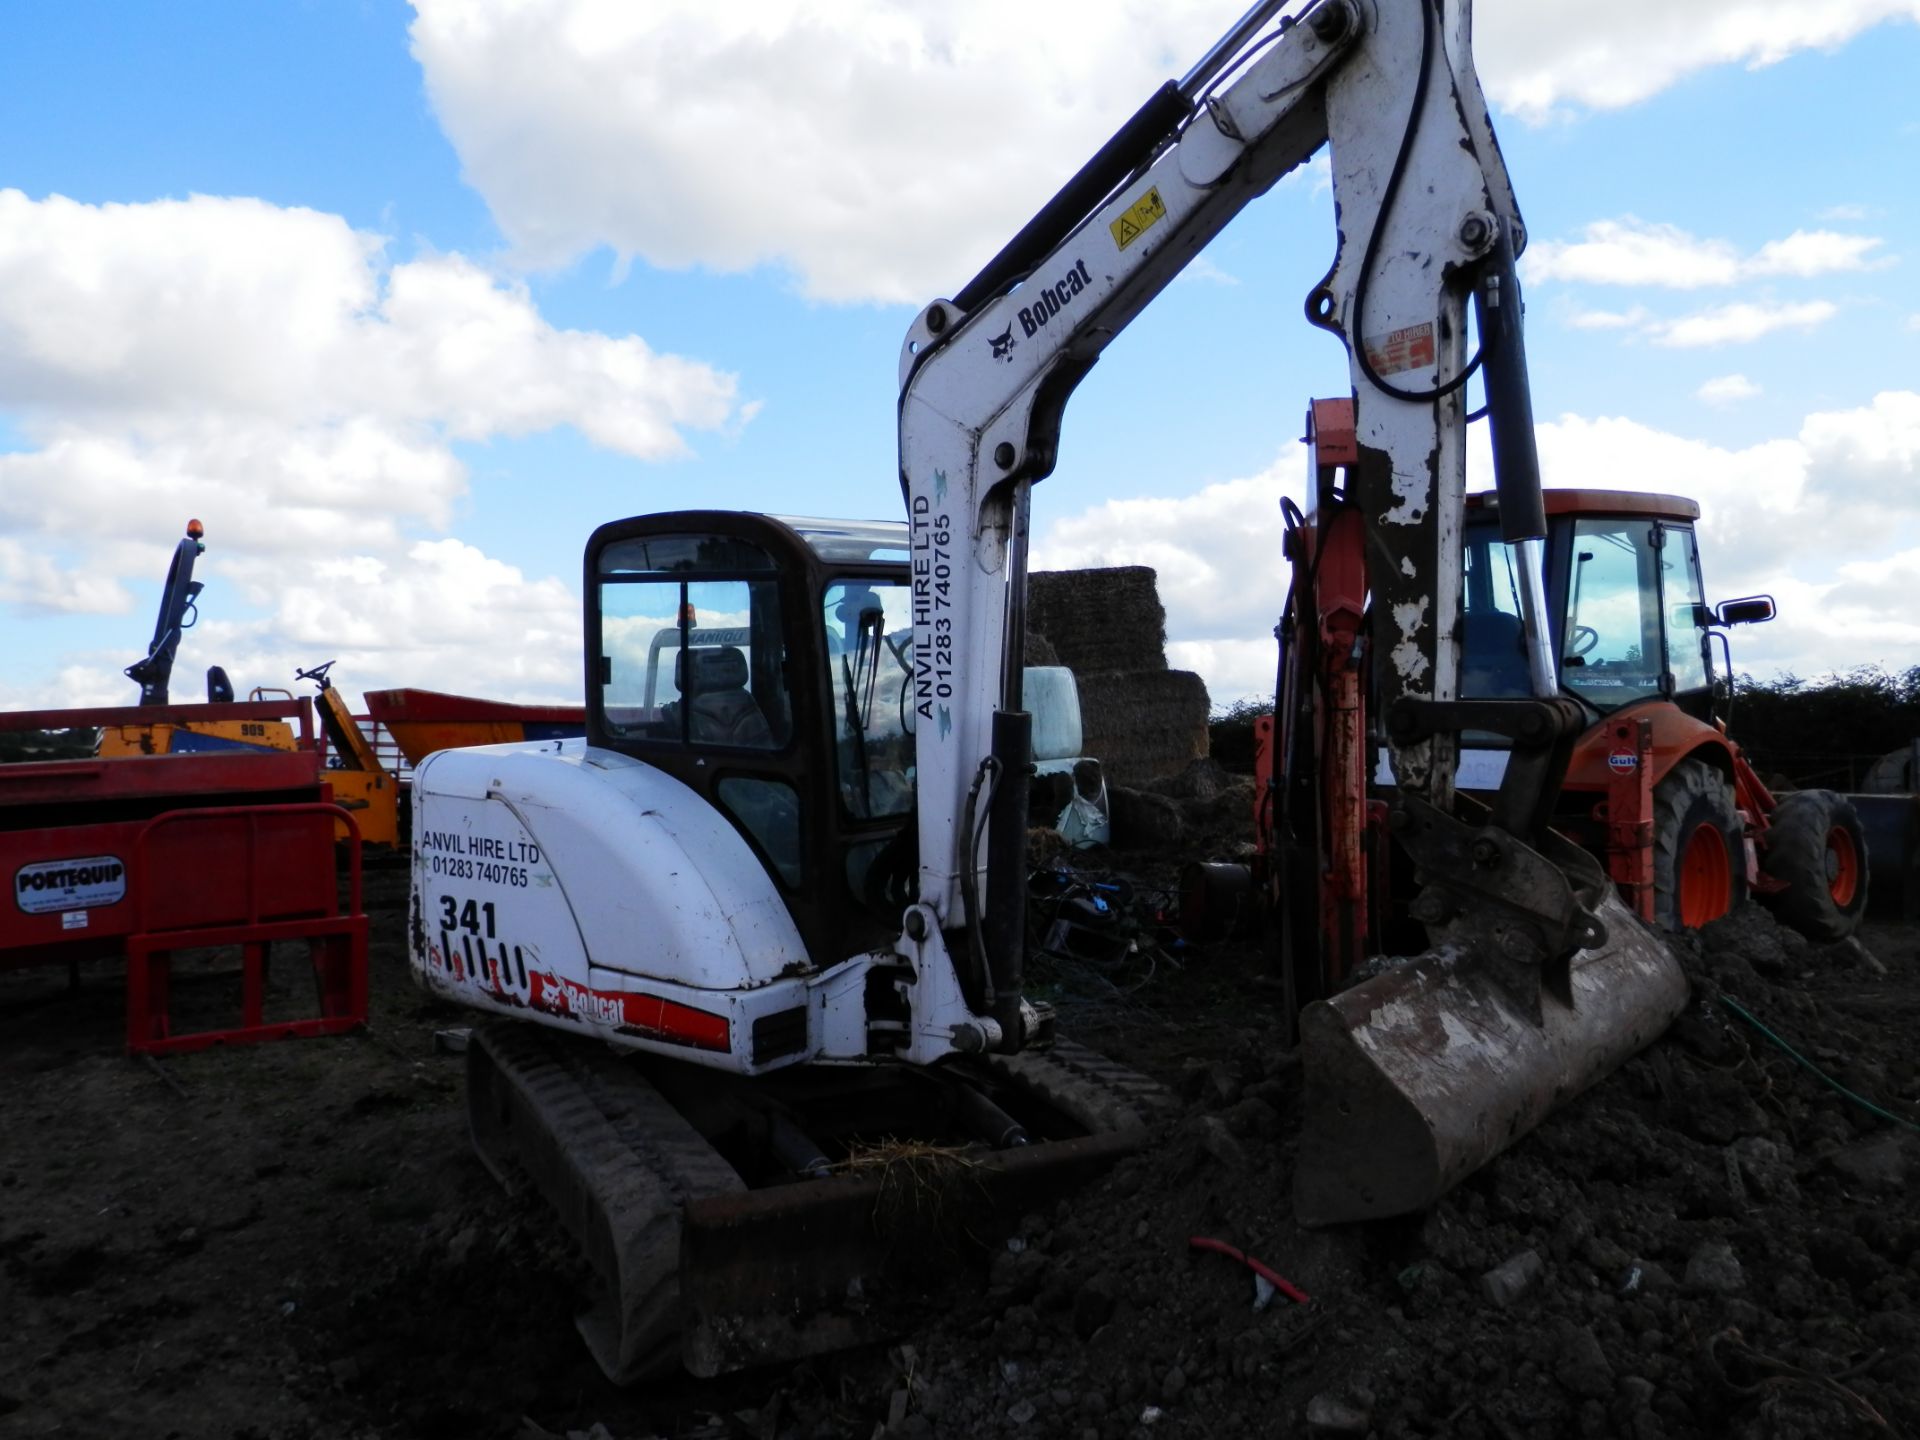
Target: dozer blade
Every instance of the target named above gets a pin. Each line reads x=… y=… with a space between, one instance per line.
x=1419 y=1076
x=794 y=1270
x=691 y=1267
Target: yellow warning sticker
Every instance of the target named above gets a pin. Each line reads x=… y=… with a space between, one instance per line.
x=1148 y=210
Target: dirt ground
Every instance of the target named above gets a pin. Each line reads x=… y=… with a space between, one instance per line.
x=295 y=1240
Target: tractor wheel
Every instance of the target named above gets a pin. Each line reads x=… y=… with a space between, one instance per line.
x=1699 y=860
x=1816 y=845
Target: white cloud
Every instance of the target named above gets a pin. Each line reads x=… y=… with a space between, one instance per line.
x=33 y=583
x=85 y=680
x=1727 y=390
x=444 y=615
x=1630 y=251
x=151 y=314
x=1633 y=252
x=1234 y=669
x=1216 y=554
x=1872 y=604
x=1740 y=323
x=1200 y=268
x=884 y=149
x=1872 y=453
x=1609 y=319
x=1851 y=477
x=1814 y=252
x=261 y=486
x=1539 y=59
x=440 y=614
x=271 y=372
x=1844 y=213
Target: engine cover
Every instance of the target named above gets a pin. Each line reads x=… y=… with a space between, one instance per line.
x=589 y=891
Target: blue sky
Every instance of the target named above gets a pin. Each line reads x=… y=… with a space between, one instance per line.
x=402 y=301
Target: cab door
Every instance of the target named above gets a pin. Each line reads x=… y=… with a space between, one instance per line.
x=692 y=630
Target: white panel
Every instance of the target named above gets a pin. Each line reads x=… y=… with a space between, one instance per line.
x=1053 y=700
x=635 y=872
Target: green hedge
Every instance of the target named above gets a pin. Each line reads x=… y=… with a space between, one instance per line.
x=1824 y=732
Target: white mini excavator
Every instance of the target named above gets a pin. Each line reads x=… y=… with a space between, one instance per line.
x=774 y=901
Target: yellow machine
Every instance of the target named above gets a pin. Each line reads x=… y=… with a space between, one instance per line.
x=360 y=782
x=153 y=674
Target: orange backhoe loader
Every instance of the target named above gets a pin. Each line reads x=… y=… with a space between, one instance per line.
x=1654 y=786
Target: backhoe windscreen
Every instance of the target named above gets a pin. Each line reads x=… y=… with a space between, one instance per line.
x=1633 y=597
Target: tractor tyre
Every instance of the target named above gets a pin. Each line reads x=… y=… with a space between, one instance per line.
x=1699 y=855
x=1815 y=844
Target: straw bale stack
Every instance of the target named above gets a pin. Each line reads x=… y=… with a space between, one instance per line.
x=1140 y=719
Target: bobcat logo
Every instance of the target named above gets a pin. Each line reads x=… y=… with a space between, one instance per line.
x=1003 y=344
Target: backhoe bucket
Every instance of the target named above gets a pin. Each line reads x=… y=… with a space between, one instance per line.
x=1419 y=1076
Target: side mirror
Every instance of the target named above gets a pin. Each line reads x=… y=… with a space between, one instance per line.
x=1750 y=611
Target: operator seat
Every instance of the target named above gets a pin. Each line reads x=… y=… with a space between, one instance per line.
x=1493 y=657
x=721 y=711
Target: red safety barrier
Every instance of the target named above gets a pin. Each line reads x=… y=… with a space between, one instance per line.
x=246 y=875
x=149 y=856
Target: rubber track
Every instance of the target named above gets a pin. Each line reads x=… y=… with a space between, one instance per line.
x=615 y=1161
x=1101 y=1094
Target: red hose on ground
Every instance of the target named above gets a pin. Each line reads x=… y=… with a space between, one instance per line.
x=1273 y=1277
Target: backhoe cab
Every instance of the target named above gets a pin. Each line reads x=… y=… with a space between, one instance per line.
x=1656 y=786
x=1630 y=618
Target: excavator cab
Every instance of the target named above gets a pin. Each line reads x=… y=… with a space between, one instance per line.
x=701 y=906
x=735 y=652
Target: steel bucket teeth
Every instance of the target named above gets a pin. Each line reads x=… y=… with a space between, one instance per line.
x=1419 y=1076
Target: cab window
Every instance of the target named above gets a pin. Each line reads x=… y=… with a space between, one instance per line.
x=1493 y=651
x=869 y=633
x=1612 y=647
x=1686 y=600
x=687 y=658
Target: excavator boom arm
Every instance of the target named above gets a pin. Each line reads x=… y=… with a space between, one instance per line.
x=1426 y=217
